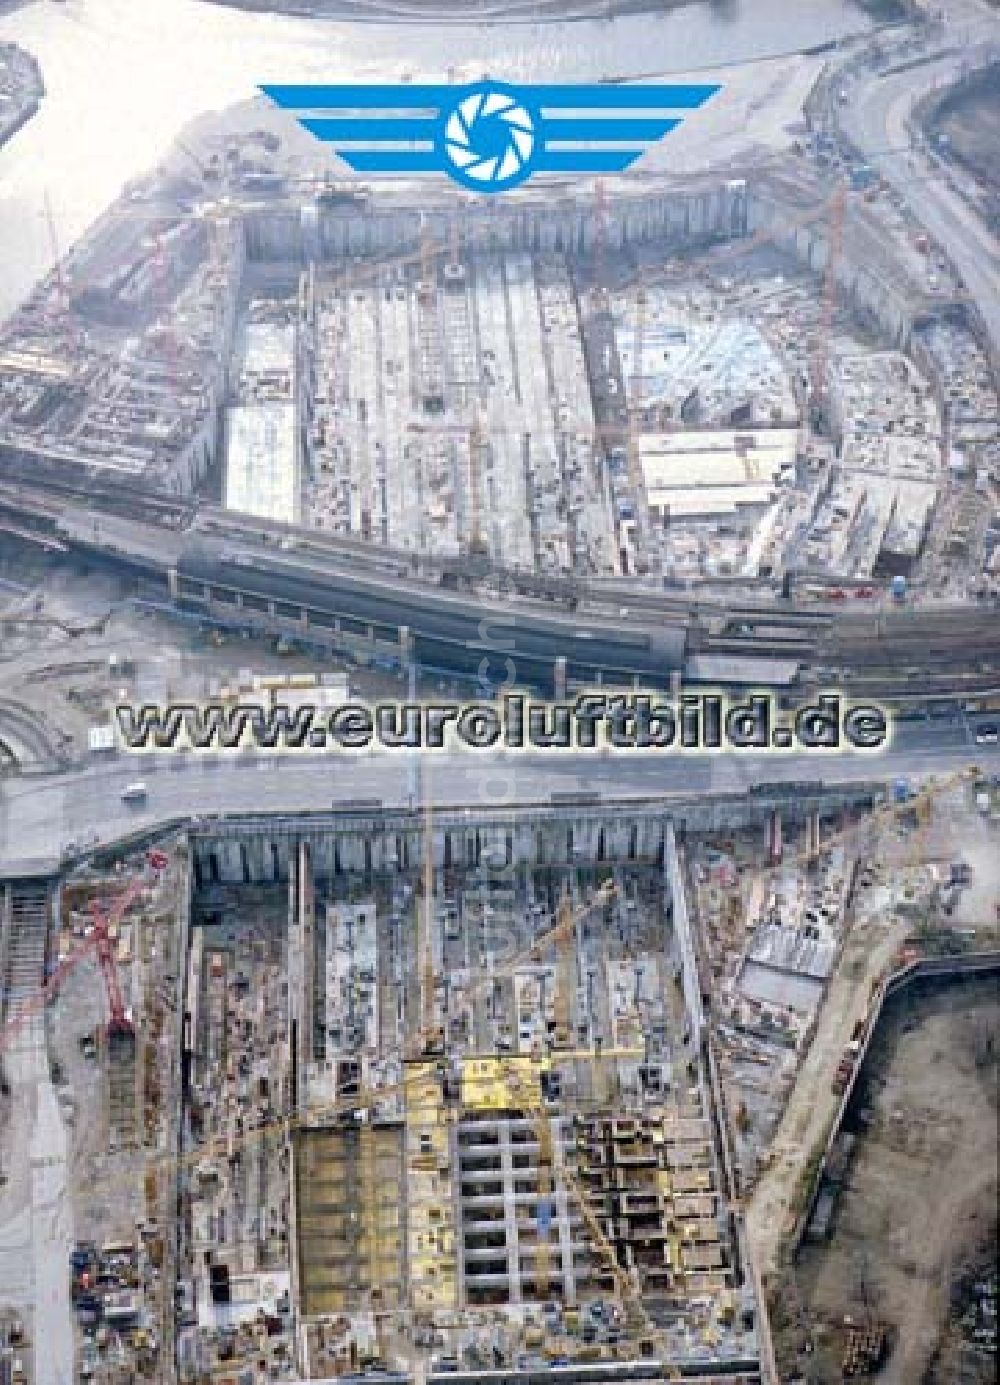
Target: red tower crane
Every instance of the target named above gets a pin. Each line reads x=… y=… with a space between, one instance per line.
x=101 y=940
x=100 y=936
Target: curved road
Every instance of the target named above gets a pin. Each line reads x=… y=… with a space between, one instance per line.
x=876 y=119
x=28 y=735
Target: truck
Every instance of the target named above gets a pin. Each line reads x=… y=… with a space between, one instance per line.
x=846 y=1066
x=841 y=1077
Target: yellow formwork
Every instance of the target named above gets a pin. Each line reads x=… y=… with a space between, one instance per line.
x=349 y=1232
x=430 y=1220
x=503 y=1083
x=687 y=1180
x=706 y=1282
x=699 y=1229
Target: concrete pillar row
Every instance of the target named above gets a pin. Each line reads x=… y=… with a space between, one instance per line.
x=510 y=1214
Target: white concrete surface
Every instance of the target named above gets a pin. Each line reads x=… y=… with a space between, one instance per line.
x=35 y=1213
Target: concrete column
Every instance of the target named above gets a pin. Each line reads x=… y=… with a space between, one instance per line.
x=509 y=1213
x=813 y=837
x=563 y=1209
x=305 y=905
x=455 y=1160
x=775 y=845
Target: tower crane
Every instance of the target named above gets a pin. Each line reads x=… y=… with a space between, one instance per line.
x=563 y=927
x=57 y=267
x=478 y=439
x=562 y=997
x=627 y=1284
x=430 y=1034
x=100 y=935
x=99 y=938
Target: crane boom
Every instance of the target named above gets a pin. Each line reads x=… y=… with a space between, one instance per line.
x=533 y=951
x=119 y=1022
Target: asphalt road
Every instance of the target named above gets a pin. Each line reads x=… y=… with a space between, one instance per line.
x=876 y=119
x=41 y=816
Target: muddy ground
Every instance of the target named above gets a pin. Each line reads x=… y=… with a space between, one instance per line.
x=970 y=119
x=920 y=1194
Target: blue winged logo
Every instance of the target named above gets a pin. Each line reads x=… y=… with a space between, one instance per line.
x=490 y=136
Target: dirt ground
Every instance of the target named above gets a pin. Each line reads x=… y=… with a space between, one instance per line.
x=107 y=1189
x=966 y=1355
x=875 y=934
x=971 y=123
x=774 y=1209
x=920 y=1194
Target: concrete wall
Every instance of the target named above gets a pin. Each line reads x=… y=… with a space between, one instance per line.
x=674 y=880
x=258 y=849
x=863 y=284
x=560 y=224
x=925 y=971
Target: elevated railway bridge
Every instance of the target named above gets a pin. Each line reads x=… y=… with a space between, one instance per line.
x=470 y=618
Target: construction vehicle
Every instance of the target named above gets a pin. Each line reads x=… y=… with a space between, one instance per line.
x=845 y=1067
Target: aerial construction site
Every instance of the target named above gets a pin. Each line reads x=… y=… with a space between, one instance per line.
x=342 y=1057
x=673 y=384
x=427 y=1094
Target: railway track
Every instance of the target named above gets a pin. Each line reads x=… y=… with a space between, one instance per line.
x=47 y=496
x=25 y=924
x=27 y=732
x=557 y=610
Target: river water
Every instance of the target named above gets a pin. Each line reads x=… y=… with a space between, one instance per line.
x=123 y=76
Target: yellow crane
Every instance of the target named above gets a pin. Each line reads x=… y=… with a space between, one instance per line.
x=627 y=1284
x=478 y=439
x=889 y=811
x=562 y=996
x=563 y=927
